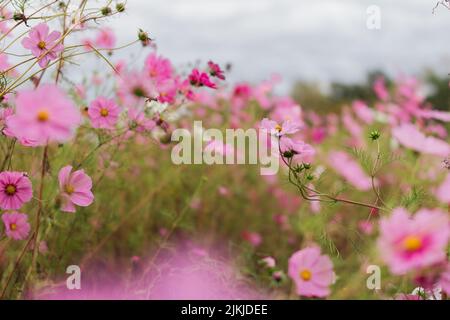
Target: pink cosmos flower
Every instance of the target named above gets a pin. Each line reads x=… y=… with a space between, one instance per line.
x=200 y=79
x=442 y=193
x=348 y=168
x=311 y=272
x=158 y=68
x=15 y=190
x=16 y=225
x=44 y=115
x=75 y=189
x=5 y=15
x=4 y=64
x=287 y=127
x=105 y=39
x=409 y=136
x=269 y=262
x=135 y=88
x=363 y=112
x=412 y=242
x=295 y=149
x=103 y=113
x=253 y=238
x=138 y=121
x=43 y=42
x=380 y=89
x=215 y=71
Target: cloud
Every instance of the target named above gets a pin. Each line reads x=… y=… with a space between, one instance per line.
x=323 y=41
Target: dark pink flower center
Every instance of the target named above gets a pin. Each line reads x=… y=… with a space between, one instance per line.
x=11 y=189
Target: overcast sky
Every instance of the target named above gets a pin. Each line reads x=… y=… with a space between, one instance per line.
x=320 y=40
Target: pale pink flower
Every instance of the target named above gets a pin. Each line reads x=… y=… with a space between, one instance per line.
x=103 y=113
x=44 y=115
x=216 y=147
x=365 y=227
x=408 y=242
x=269 y=262
x=4 y=64
x=16 y=225
x=409 y=136
x=295 y=149
x=5 y=15
x=380 y=89
x=434 y=114
x=442 y=193
x=15 y=190
x=138 y=121
x=136 y=88
x=348 y=168
x=105 y=39
x=158 y=68
x=363 y=111
x=311 y=272
x=280 y=129
x=43 y=43
x=75 y=189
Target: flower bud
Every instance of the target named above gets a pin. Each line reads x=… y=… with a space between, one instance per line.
x=120 y=7
x=106 y=11
x=375 y=135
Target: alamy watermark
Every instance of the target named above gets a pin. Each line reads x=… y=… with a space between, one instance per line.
x=238 y=146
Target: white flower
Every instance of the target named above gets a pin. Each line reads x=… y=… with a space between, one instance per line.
x=156 y=107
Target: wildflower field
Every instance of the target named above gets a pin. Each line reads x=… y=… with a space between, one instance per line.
x=98 y=176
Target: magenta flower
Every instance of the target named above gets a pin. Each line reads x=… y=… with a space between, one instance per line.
x=43 y=45
x=407 y=243
x=311 y=272
x=103 y=113
x=200 y=79
x=44 y=115
x=15 y=190
x=16 y=225
x=280 y=129
x=75 y=189
x=215 y=71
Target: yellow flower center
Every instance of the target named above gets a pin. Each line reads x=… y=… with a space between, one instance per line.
x=42 y=45
x=10 y=189
x=104 y=112
x=278 y=128
x=412 y=243
x=69 y=189
x=43 y=115
x=13 y=226
x=305 y=275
